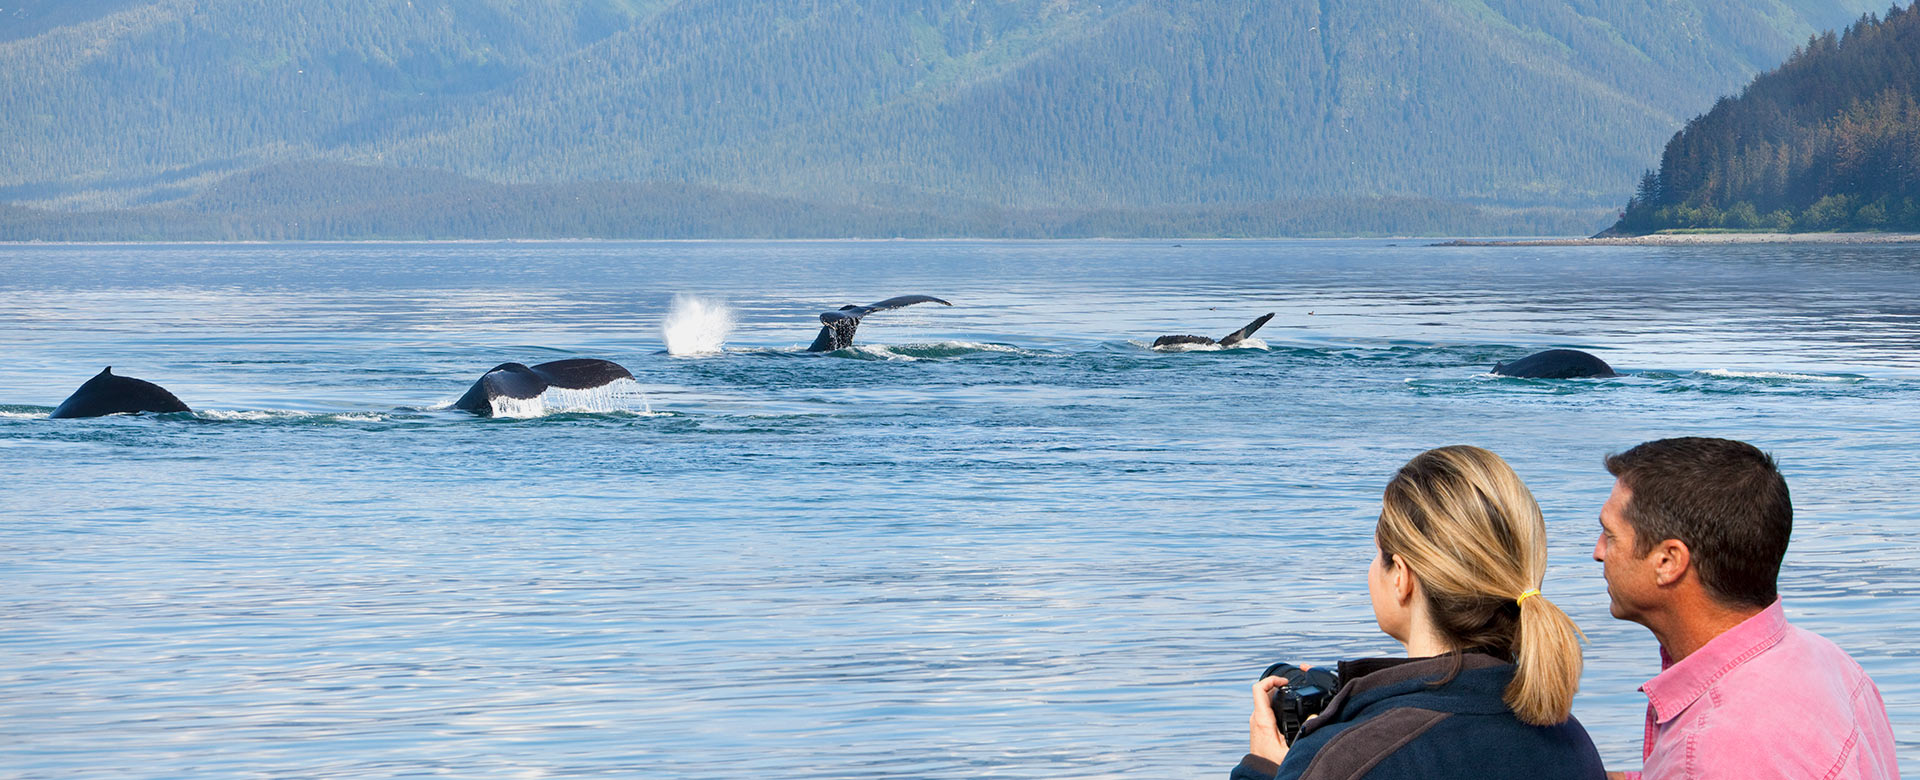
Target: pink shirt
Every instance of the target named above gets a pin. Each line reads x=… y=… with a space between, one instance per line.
x=1766 y=700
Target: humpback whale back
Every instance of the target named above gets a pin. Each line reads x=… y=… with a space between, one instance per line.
x=106 y=394
x=521 y=382
x=837 y=327
x=1556 y=364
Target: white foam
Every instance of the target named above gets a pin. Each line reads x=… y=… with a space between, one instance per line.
x=1246 y=343
x=256 y=415
x=24 y=415
x=696 y=326
x=620 y=395
x=1722 y=373
x=222 y=414
x=958 y=347
x=881 y=351
x=982 y=347
x=934 y=350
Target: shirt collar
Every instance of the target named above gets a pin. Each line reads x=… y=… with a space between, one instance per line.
x=1381 y=678
x=1678 y=685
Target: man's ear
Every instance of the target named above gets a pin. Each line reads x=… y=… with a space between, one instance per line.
x=1671 y=561
x=1402 y=581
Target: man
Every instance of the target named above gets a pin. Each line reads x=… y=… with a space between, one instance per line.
x=1691 y=541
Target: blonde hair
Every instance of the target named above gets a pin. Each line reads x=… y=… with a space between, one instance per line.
x=1474 y=537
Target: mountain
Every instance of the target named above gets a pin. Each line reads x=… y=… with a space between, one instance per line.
x=933 y=106
x=1828 y=141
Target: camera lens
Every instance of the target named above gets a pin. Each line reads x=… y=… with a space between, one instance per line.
x=1306 y=694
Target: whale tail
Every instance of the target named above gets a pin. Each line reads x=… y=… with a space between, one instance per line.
x=520 y=382
x=837 y=327
x=1242 y=334
x=581 y=373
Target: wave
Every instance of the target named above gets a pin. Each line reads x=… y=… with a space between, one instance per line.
x=553 y=402
x=276 y=415
x=1412 y=355
x=247 y=415
x=28 y=413
x=1722 y=373
x=1249 y=343
x=1479 y=384
x=933 y=351
x=1490 y=376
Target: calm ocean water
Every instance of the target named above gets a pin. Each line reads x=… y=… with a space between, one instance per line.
x=1003 y=539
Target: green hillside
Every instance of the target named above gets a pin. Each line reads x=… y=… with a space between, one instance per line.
x=925 y=106
x=329 y=201
x=1828 y=141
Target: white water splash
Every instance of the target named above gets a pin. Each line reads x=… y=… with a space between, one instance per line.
x=1246 y=343
x=1721 y=373
x=242 y=415
x=696 y=326
x=621 y=395
x=258 y=415
x=934 y=350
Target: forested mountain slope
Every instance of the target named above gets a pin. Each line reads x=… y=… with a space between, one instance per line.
x=1828 y=141
x=927 y=104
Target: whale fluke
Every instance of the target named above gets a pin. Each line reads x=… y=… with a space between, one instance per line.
x=106 y=394
x=1556 y=364
x=1225 y=341
x=1241 y=334
x=837 y=327
x=521 y=382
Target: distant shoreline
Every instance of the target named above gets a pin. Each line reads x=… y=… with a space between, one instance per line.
x=1700 y=239
x=1664 y=239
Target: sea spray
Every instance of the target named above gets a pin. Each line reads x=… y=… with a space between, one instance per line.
x=1249 y=342
x=620 y=395
x=696 y=326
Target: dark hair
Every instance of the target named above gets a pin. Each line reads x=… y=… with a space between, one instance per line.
x=1725 y=500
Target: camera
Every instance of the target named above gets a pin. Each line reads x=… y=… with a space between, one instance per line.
x=1306 y=693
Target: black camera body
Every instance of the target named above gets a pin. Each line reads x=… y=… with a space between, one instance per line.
x=1306 y=694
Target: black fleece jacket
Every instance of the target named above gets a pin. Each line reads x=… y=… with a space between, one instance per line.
x=1397 y=723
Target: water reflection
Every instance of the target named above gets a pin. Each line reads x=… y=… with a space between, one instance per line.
x=1007 y=540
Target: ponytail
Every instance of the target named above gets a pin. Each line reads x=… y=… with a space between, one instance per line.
x=1546 y=660
x=1472 y=532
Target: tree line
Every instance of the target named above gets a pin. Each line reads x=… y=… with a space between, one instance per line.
x=321 y=201
x=1828 y=141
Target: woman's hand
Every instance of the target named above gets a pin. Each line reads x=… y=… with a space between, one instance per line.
x=1263 y=728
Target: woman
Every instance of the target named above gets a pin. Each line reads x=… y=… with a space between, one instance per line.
x=1486 y=689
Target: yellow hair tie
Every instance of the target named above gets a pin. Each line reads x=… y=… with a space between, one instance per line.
x=1522 y=600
